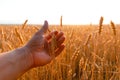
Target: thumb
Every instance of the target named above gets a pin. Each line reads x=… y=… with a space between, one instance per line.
x=44 y=27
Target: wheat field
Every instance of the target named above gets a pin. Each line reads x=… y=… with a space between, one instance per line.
x=92 y=52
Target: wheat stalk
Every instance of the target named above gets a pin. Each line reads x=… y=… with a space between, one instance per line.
x=74 y=56
x=19 y=36
x=1 y=46
x=53 y=46
x=36 y=28
x=61 y=21
x=100 y=24
x=88 y=39
x=69 y=74
x=3 y=35
x=24 y=24
x=9 y=46
x=113 y=27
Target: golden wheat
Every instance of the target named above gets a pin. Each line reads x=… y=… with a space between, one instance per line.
x=88 y=39
x=23 y=26
x=113 y=27
x=100 y=24
x=19 y=36
x=98 y=63
x=61 y=21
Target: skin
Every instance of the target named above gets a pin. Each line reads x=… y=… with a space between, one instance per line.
x=33 y=54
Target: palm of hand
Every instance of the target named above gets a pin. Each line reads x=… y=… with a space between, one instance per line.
x=40 y=44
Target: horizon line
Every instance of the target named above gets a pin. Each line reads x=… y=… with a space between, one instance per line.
x=52 y=24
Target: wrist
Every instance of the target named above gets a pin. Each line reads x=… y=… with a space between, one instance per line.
x=15 y=62
x=28 y=57
x=25 y=58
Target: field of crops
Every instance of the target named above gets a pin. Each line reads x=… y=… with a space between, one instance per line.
x=91 y=52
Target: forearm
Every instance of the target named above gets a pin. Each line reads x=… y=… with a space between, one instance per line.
x=14 y=63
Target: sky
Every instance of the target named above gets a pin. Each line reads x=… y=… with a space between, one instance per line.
x=73 y=11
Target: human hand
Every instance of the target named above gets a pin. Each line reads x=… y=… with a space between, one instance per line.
x=39 y=46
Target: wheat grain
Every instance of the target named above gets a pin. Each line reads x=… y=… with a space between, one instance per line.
x=9 y=46
x=61 y=21
x=19 y=36
x=53 y=46
x=100 y=24
x=24 y=24
x=88 y=39
x=113 y=27
x=36 y=28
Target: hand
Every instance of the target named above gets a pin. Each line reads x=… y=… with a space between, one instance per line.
x=39 y=46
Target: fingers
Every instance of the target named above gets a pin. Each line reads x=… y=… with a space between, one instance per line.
x=44 y=28
x=49 y=44
x=59 y=35
x=61 y=40
x=49 y=36
x=59 y=50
